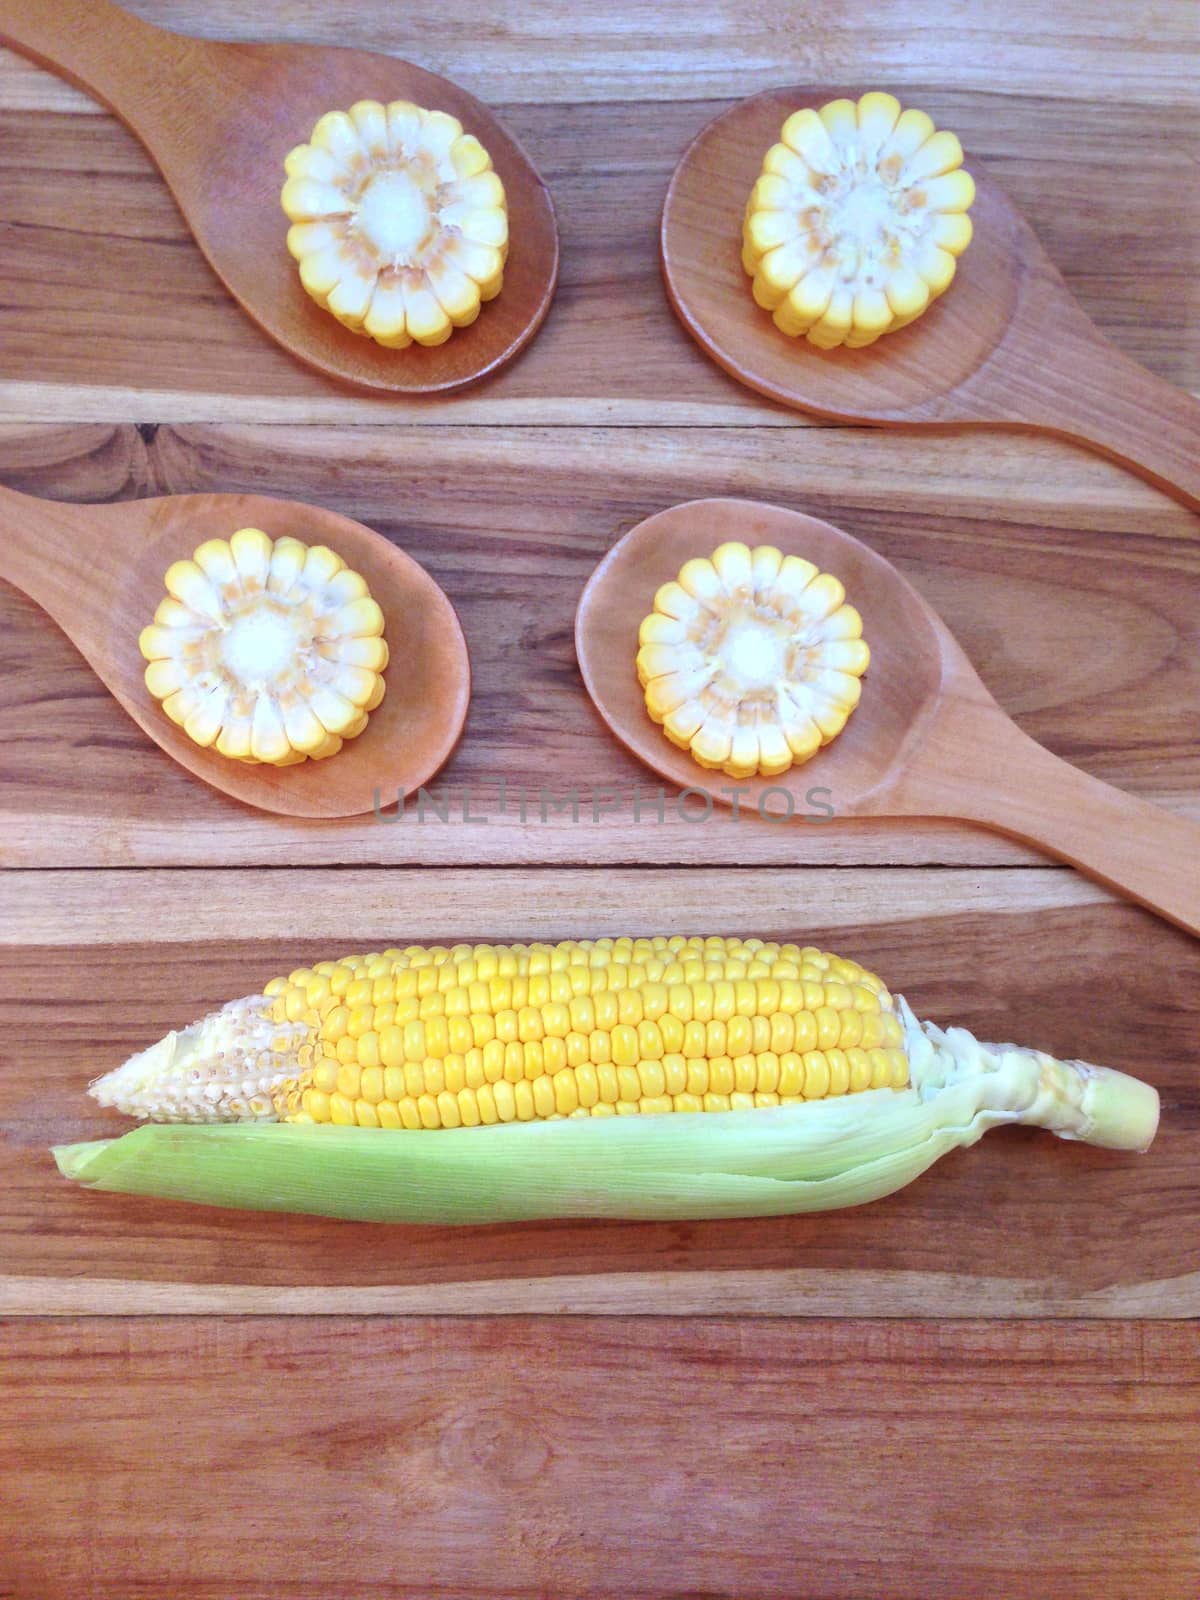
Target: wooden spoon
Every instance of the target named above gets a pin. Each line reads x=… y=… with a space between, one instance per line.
x=927 y=739
x=218 y=120
x=1007 y=344
x=98 y=571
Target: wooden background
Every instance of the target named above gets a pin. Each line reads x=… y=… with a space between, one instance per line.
x=992 y=1375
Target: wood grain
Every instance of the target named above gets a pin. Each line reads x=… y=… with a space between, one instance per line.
x=1020 y=1225
x=922 y=1455
x=110 y=310
x=1080 y=613
x=526 y=1458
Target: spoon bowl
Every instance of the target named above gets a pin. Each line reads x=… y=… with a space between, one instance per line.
x=1007 y=345
x=218 y=120
x=98 y=571
x=926 y=740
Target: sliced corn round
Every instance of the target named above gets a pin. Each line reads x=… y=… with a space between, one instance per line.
x=266 y=650
x=751 y=660
x=399 y=223
x=857 y=219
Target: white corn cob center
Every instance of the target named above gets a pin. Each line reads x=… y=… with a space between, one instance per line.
x=270 y=651
x=856 y=220
x=751 y=659
x=400 y=225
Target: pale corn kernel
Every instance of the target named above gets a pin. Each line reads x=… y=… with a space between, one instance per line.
x=881 y=1068
x=468 y=1108
x=554 y=1055
x=316 y=1104
x=829 y=1027
x=566 y=1092
x=852 y=1029
x=860 y=1070
x=671 y=1030
x=427 y=1110
x=739 y=1035
x=576 y=1047
x=587 y=1085
x=629 y=1083
x=341 y=1111
x=720 y=1076
x=650 y=1042
x=629 y=1007
x=791 y=1075
x=745 y=1074
x=506 y=1105
x=816 y=1075
x=839 y=1071
x=768 y=1072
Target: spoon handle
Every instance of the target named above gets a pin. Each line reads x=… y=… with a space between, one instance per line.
x=129 y=65
x=44 y=550
x=981 y=768
x=1082 y=388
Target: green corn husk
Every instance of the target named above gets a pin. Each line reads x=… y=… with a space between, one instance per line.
x=769 y=1161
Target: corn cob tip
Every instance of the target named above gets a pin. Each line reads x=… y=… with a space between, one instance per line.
x=1072 y=1099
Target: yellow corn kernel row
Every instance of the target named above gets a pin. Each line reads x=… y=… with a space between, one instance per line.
x=427 y=1038
x=467 y=1091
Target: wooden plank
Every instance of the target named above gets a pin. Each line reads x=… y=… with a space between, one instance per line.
x=541 y=1458
x=543 y=53
x=1072 y=586
x=110 y=310
x=355 y=907
x=1020 y=1225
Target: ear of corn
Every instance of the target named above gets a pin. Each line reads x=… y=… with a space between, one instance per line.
x=266 y=650
x=787 y=1128
x=399 y=223
x=751 y=660
x=856 y=221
